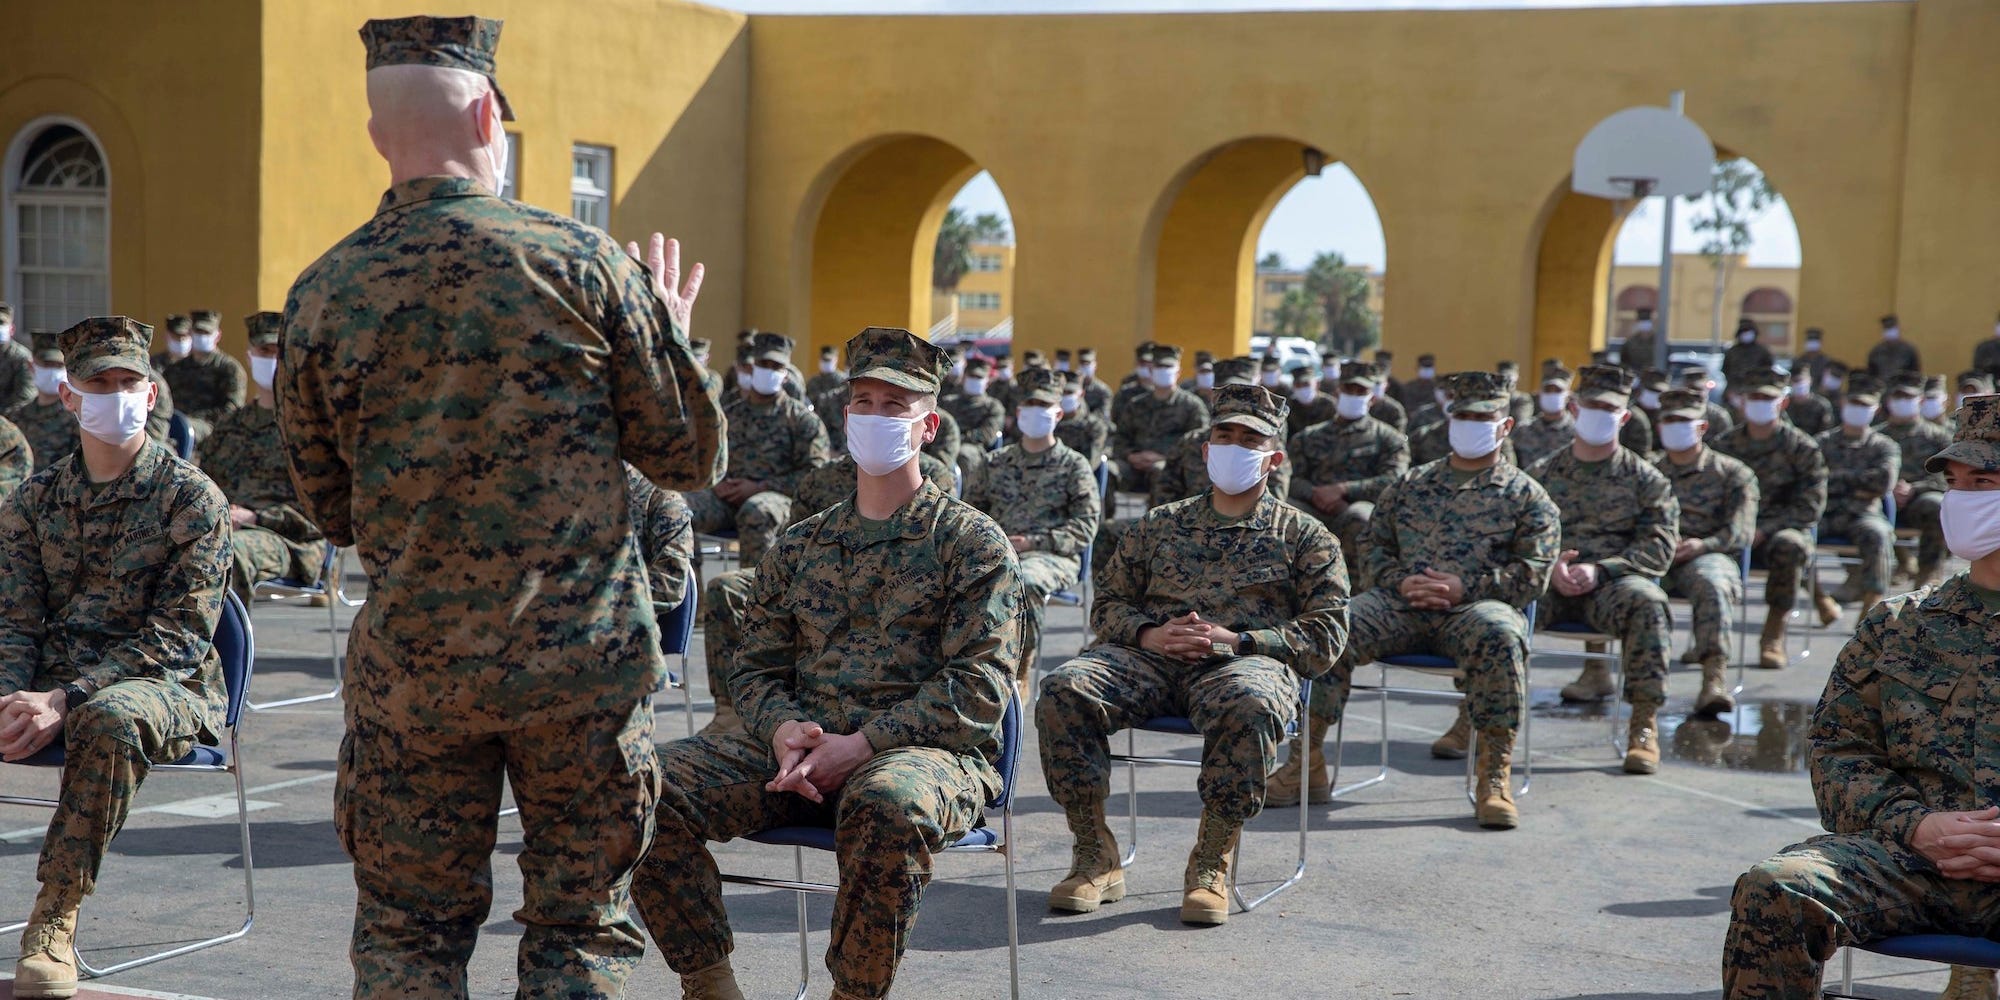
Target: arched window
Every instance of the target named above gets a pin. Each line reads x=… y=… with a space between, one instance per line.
x=1636 y=297
x=59 y=267
x=1767 y=302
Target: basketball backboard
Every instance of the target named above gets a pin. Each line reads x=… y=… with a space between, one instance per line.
x=1647 y=147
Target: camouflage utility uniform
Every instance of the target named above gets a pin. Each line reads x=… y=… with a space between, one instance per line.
x=1916 y=441
x=1717 y=496
x=207 y=385
x=1860 y=471
x=1050 y=498
x=1364 y=457
x=1791 y=493
x=17 y=460
x=773 y=442
x=17 y=374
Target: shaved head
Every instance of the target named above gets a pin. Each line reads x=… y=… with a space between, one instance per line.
x=434 y=120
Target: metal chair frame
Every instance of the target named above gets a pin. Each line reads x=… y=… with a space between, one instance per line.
x=285 y=588
x=1181 y=726
x=1742 y=620
x=1612 y=655
x=1837 y=551
x=340 y=583
x=1084 y=592
x=180 y=437
x=237 y=646
x=980 y=840
x=1945 y=949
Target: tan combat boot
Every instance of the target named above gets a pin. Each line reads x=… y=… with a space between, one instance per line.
x=1828 y=608
x=1594 y=684
x=716 y=982
x=47 y=967
x=1206 y=884
x=1691 y=656
x=726 y=720
x=1714 y=698
x=1493 y=795
x=1094 y=875
x=1906 y=565
x=1642 y=740
x=1456 y=740
x=1970 y=984
x=1281 y=788
x=1771 y=644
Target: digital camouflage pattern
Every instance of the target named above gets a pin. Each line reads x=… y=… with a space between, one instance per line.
x=1903 y=729
x=50 y=429
x=17 y=460
x=905 y=631
x=1916 y=441
x=1185 y=473
x=1050 y=499
x=664 y=528
x=245 y=457
x=1152 y=423
x=117 y=586
x=981 y=418
x=17 y=375
x=1365 y=457
x=1791 y=494
x=467 y=43
x=1860 y=471
x=205 y=386
x=1888 y=357
x=1541 y=437
x=1812 y=413
x=1306 y=413
x=773 y=442
x=1495 y=529
x=1717 y=496
x=1274 y=576
x=1389 y=411
x=1085 y=433
x=1986 y=356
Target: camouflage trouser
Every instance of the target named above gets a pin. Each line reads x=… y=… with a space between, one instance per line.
x=1130 y=480
x=1240 y=704
x=1922 y=513
x=259 y=554
x=1785 y=555
x=1791 y=913
x=1042 y=574
x=1873 y=539
x=109 y=744
x=725 y=599
x=897 y=810
x=757 y=520
x=1351 y=526
x=418 y=813
x=1633 y=609
x=1488 y=639
x=1713 y=583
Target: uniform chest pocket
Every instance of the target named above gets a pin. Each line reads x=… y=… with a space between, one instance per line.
x=1916 y=703
x=132 y=573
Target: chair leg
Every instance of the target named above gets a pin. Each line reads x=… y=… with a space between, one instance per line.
x=805 y=955
x=687 y=697
x=1299 y=754
x=1013 y=918
x=1382 y=745
x=1131 y=799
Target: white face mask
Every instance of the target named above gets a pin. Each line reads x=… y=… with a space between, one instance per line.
x=1089 y=369
x=6 y=332
x=1235 y=469
x=496 y=154
x=1351 y=407
x=958 y=368
x=1971 y=522
x=1329 y=371
x=1306 y=393
x=1061 y=365
x=700 y=358
x=1680 y=435
x=1760 y=411
x=1892 y=333
x=881 y=445
x=1204 y=380
x=1746 y=337
x=1902 y=407
x=1005 y=374
x=1474 y=438
x=1268 y=378
x=1145 y=374
x=1427 y=372
x=1932 y=407
x=1857 y=414
x=1037 y=421
x=1163 y=378
x=1071 y=402
x=1597 y=427
x=767 y=381
x=113 y=417
x=205 y=342
x=1553 y=402
x=48 y=380
x=263 y=371
x=1801 y=390
x=974 y=385
x=1812 y=347
x=1643 y=326
x=826 y=365
x=1830 y=382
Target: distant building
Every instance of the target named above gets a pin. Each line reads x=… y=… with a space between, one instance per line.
x=1273 y=284
x=1768 y=295
x=984 y=299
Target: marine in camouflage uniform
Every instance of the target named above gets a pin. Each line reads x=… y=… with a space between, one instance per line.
x=1097 y=393
x=663 y=527
x=1341 y=467
x=1717 y=496
x=1421 y=391
x=1892 y=353
x=1137 y=384
x=1045 y=500
x=1918 y=494
x=773 y=440
x=1809 y=411
x=1791 y=494
x=1520 y=405
x=209 y=383
x=1860 y=470
x=829 y=377
x=902 y=633
x=1746 y=354
x=48 y=425
x=1638 y=351
x=1550 y=431
x=1900 y=738
x=979 y=415
x=17 y=460
x=1081 y=429
x=271 y=538
x=1433 y=442
x=1619 y=516
x=17 y=376
x=507 y=631
x=112 y=594
x=1718 y=416
x=1389 y=410
x=1151 y=423
x=1310 y=404
x=1213 y=608
x=179 y=336
x=831 y=407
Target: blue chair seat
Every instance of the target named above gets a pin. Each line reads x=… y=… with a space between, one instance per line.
x=818 y=838
x=1945 y=949
x=1169 y=724
x=1421 y=661
x=1069 y=597
x=52 y=756
x=1573 y=628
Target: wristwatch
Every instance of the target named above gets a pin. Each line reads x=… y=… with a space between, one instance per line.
x=75 y=694
x=1245 y=646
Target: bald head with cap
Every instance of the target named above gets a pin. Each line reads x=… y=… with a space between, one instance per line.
x=435 y=105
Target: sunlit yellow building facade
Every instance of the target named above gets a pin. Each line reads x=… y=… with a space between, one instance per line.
x=1767 y=295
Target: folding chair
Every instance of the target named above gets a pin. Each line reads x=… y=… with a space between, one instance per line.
x=720 y=544
x=1841 y=552
x=676 y=635
x=340 y=583
x=1944 y=949
x=1437 y=666
x=180 y=435
x=237 y=650
x=1583 y=633
x=1182 y=726
x=979 y=840
x=285 y=587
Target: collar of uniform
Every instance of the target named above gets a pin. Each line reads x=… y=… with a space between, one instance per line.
x=853 y=532
x=1258 y=519
x=73 y=486
x=1952 y=597
x=426 y=188
x=1483 y=477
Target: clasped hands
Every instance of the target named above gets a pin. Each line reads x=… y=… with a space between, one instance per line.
x=1429 y=590
x=1963 y=845
x=29 y=721
x=812 y=762
x=735 y=490
x=1573 y=579
x=1330 y=498
x=1186 y=638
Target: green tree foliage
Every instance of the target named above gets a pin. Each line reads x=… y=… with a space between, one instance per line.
x=956 y=235
x=1341 y=293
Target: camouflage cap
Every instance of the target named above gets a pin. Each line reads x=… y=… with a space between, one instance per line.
x=1556 y=373
x=1201 y=356
x=1906 y=384
x=745 y=353
x=1767 y=383
x=1426 y=360
x=1086 y=354
x=1252 y=406
x=828 y=351
x=1033 y=359
x=1360 y=373
x=1837 y=367
x=767 y=346
x=1062 y=354
x=1683 y=404
x=207 y=320
x=102 y=343
x=1696 y=377
x=1041 y=386
x=1506 y=366
x=1863 y=388
x=1166 y=354
x=1384 y=357
x=1235 y=371
x=264 y=328
x=1934 y=385
x=47 y=349
x=1268 y=362
x=6 y=313
x=178 y=324
x=1479 y=392
x=974 y=365
x=466 y=43
x=699 y=344
x=1977 y=442
x=1975 y=381
x=1329 y=357
x=1071 y=381
x=1605 y=383
x=1144 y=352
x=897 y=357
x=1654 y=380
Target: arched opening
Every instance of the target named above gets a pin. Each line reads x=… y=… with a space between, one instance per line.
x=869 y=238
x=58 y=230
x=1773 y=311
x=1632 y=300
x=972 y=269
x=1321 y=268
x=1202 y=243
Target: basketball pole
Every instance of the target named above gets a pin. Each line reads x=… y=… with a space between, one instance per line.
x=1662 y=325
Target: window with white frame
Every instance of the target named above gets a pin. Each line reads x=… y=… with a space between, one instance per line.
x=590 y=185
x=984 y=301
x=59 y=215
x=986 y=262
x=510 y=185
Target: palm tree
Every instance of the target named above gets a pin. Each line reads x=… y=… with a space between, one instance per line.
x=1273 y=261
x=1298 y=315
x=1342 y=295
x=956 y=235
